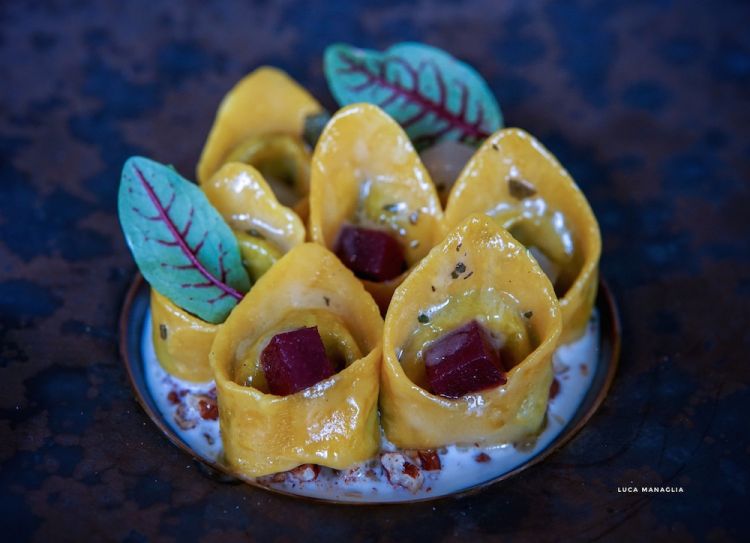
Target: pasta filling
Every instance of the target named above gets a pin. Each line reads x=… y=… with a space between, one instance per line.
x=546 y=236
x=258 y=253
x=283 y=160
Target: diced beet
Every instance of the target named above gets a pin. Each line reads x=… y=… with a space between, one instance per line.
x=463 y=361
x=295 y=360
x=370 y=254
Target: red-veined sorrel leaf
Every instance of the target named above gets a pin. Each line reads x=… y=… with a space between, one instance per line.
x=434 y=96
x=181 y=244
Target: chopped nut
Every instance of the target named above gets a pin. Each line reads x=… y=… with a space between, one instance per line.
x=401 y=472
x=305 y=472
x=429 y=460
x=279 y=477
x=352 y=475
x=183 y=419
x=482 y=458
x=208 y=408
x=411 y=470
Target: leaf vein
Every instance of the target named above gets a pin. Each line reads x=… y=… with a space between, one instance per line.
x=180 y=241
x=412 y=94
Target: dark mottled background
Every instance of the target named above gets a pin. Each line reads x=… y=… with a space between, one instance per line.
x=646 y=103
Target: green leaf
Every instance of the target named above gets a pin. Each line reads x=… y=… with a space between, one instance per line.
x=181 y=244
x=434 y=96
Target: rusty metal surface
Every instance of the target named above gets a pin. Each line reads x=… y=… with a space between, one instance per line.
x=644 y=102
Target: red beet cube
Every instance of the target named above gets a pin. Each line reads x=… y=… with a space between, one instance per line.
x=295 y=360
x=370 y=254
x=463 y=361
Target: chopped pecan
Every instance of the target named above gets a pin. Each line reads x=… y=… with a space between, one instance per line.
x=401 y=472
x=305 y=472
x=429 y=460
x=208 y=408
x=183 y=418
x=279 y=477
x=482 y=458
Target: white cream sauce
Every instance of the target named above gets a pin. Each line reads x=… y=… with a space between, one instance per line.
x=461 y=467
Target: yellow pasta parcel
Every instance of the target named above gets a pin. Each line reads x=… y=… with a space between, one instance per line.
x=365 y=172
x=264 y=228
x=260 y=122
x=518 y=182
x=181 y=340
x=333 y=423
x=479 y=272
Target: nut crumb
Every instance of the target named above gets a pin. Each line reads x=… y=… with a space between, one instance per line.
x=429 y=460
x=305 y=473
x=183 y=419
x=401 y=472
x=482 y=458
